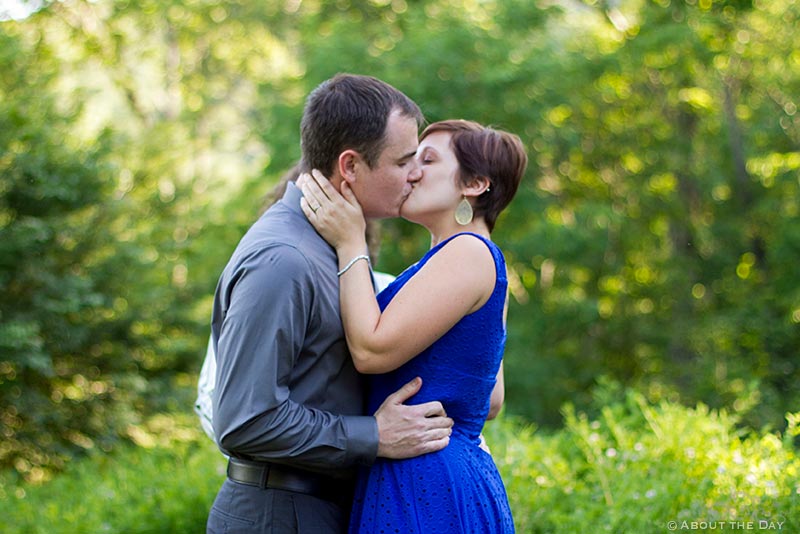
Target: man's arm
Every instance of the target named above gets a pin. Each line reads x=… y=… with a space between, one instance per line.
x=267 y=303
x=262 y=334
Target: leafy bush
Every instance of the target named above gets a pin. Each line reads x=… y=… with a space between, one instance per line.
x=638 y=467
x=167 y=484
x=633 y=469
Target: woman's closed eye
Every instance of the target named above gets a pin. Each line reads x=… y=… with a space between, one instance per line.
x=427 y=157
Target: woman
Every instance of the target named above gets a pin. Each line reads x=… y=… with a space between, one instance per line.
x=441 y=319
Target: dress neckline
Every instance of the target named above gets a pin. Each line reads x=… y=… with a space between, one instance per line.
x=447 y=240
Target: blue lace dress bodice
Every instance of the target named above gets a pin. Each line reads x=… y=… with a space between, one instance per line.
x=457 y=489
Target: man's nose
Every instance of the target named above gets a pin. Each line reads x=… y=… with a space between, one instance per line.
x=416 y=172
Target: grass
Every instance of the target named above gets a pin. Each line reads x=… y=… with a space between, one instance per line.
x=635 y=468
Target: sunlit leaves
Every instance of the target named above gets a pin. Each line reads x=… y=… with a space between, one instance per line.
x=654 y=237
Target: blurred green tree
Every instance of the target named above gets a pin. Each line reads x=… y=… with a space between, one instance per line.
x=53 y=387
x=653 y=241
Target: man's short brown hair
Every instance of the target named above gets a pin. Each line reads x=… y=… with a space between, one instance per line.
x=349 y=111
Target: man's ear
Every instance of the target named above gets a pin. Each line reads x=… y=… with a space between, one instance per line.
x=349 y=160
x=476 y=187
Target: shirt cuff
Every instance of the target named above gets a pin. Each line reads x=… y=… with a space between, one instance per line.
x=362 y=439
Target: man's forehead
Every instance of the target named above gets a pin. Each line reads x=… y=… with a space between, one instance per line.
x=401 y=137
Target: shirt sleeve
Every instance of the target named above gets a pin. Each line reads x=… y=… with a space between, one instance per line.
x=269 y=301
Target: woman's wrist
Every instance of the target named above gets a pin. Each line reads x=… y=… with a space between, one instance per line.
x=347 y=251
x=352 y=262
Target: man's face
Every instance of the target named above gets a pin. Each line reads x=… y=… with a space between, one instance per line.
x=383 y=189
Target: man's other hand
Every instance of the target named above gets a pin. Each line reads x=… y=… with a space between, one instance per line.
x=407 y=431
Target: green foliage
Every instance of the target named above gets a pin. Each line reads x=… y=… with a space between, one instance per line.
x=634 y=468
x=654 y=240
x=105 y=288
x=165 y=485
x=637 y=467
x=51 y=211
x=659 y=239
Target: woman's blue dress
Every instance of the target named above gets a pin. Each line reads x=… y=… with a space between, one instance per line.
x=457 y=489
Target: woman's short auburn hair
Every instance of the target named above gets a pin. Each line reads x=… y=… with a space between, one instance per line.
x=481 y=151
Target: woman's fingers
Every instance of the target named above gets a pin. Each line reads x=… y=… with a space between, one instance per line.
x=320 y=194
x=324 y=184
x=310 y=199
x=349 y=196
x=318 y=185
x=306 y=208
x=318 y=190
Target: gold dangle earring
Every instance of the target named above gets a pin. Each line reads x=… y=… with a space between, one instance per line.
x=464 y=212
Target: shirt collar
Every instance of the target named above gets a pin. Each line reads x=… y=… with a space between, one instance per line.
x=292 y=198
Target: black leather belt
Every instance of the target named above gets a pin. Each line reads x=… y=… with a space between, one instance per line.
x=273 y=476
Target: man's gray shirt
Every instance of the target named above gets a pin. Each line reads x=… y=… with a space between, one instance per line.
x=286 y=388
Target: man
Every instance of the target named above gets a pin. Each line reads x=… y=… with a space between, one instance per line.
x=288 y=405
x=203 y=405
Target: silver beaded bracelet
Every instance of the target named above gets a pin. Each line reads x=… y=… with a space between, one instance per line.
x=351 y=262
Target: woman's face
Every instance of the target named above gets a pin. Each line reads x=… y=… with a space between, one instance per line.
x=438 y=192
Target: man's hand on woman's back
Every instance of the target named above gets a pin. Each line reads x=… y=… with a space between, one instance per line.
x=405 y=431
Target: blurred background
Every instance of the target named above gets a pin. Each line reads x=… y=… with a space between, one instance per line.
x=653 y=246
